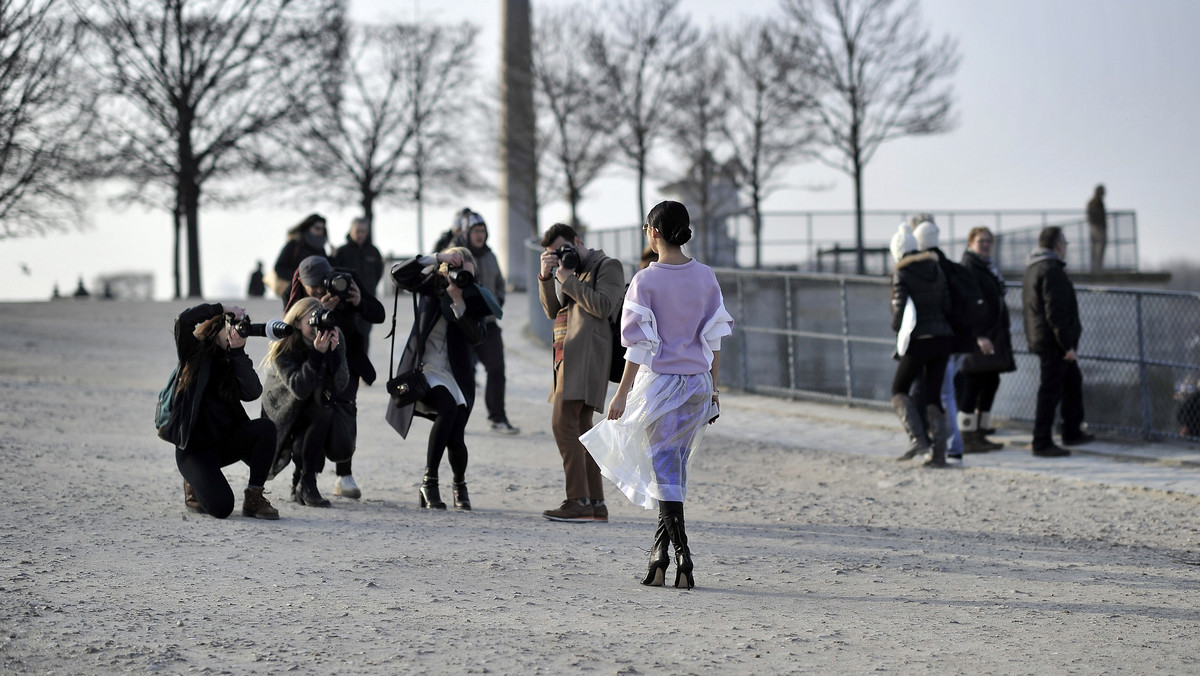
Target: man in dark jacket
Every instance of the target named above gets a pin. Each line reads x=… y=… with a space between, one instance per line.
x=360 y=256
x=1052 y=330
x=357 y=304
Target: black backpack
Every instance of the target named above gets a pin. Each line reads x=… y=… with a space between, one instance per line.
x=970 y=312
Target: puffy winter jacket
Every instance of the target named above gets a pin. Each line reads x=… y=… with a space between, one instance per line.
x=996 y=327
x=918 y=276
x=1051 y=310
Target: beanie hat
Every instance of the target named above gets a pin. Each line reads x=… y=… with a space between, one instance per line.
x=471 y=220
x=903 y=241
x=313 y=269
x=926 y=234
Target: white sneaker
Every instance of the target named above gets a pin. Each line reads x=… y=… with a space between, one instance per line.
x=346 y=487
x=503 y=427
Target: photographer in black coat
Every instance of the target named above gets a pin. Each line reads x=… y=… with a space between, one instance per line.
x=344 y=293
x=208 y=425
x=1052 y=329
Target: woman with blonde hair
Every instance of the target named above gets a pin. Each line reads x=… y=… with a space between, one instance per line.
x=448 y=321
x=305 y=371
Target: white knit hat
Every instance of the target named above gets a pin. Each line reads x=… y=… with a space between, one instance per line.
x=903 y=241
x=926 y=234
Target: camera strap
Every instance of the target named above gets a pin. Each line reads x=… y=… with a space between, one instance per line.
x=420 y=341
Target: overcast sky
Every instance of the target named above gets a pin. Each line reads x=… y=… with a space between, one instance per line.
x=1054 y=96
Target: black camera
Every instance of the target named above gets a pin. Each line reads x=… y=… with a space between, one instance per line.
x=338 y=283
x=274 y=329
x=461 y=278
x=568 y=257
x=323 y=319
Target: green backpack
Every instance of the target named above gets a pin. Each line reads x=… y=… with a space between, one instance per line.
x=166 y=397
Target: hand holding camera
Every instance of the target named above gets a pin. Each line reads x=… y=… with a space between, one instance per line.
x=326 y=340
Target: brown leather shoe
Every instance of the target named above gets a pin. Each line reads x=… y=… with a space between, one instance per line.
x=573 y=510
x=256 y=505
x=599 y=512
x=189 y=499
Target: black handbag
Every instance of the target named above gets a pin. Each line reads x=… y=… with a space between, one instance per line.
x=411 y=386
x=343 y=431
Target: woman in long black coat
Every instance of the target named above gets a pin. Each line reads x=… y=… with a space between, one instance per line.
x=448 y=322
x=981 y=372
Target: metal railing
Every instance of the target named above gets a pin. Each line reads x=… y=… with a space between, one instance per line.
x=812 y=241
x=829 y=337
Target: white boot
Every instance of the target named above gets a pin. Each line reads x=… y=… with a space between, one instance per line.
x=967 y=421
x=347 y=488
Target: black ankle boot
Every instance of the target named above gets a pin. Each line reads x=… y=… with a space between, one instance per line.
x=296 y=486
x=430 y=497
x=461 y=499
x=309 y=495
x=660 y=557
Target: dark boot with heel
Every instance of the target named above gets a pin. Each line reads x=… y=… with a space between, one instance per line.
x=683 y=555
x=462 y=500
x=660 y=556
x=910 y=418
x=938 y=433
x=430 y=496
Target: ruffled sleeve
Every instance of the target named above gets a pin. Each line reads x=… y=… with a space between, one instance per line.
x=717 y=327
x=639 y=333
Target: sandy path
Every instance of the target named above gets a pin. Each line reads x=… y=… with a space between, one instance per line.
x=814 y=551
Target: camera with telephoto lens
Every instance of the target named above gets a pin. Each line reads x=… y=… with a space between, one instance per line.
x=273 y=329
x=461 y=278
x=338 y=283
x=568 y=257
x=323 y=319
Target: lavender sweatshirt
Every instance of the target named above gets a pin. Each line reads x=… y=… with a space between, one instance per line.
x=673 y=318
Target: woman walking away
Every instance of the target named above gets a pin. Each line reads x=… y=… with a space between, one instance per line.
x=919 y=278
x=449 y=318
x=672 y=323
x=982 y=368
x=305 y=371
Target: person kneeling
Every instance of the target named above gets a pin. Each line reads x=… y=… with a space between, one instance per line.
x=304 y=372
x=208 y=425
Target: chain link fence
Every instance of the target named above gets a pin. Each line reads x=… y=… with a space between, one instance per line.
x=829 y=337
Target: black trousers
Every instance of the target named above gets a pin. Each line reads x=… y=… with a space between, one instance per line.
x=449 y=429
x=250 y=441
x=351 y=394
x=310 y=435
x=491 y=354
x=977 y=392
x=926 y=359
x=1061 y=383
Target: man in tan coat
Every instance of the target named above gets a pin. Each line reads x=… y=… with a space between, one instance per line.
x=580 y=289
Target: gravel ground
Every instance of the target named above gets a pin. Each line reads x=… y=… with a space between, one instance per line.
x=814 y=550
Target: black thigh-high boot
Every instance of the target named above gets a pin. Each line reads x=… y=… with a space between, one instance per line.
x=683 y=555
x=660 y=556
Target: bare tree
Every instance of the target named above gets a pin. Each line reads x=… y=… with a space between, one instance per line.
x=768 y=126
x=565 y=89
x=46 y=116
x=698 y=115
x=881 y=77
x=193 y=87
x=640 y=51
x=369 y=136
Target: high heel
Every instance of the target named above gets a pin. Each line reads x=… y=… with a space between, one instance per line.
x=431 y=497
x=683 y=555
x=660 y=558
x=461 y=499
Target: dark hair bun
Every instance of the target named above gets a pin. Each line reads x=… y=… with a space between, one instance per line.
x=672 y=221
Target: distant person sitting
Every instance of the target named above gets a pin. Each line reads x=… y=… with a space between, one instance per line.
x=256 y=289
x=1097 y=218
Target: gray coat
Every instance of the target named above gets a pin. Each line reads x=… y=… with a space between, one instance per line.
x=298 y=377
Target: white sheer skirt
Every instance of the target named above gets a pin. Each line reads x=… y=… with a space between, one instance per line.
x=646 y=452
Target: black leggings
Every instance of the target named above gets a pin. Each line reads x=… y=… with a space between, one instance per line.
x=250 y=441
x=310 y=437
x=926 y=358
x=978 y=392
x=449 y=427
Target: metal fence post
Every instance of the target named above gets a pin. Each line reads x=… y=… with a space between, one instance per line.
x=791 y=326
x=1143 y=372
x=847 y=357
x=741 y=322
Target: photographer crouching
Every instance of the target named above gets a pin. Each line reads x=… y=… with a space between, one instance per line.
x=207 y=423
x=448 y=320
x=343 y=293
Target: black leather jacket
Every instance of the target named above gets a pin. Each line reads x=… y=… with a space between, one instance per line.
x=1051 y=309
